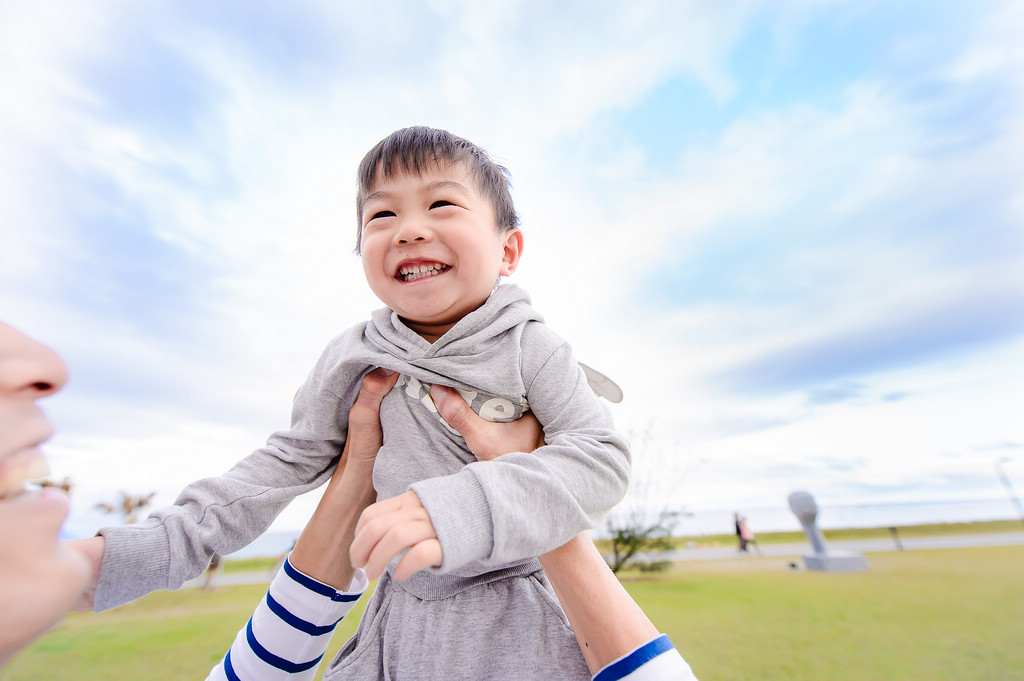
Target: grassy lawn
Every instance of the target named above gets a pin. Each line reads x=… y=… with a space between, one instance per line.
x=166 y=636
x=943 y=614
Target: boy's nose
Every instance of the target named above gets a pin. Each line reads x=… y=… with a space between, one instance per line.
x=411 y=230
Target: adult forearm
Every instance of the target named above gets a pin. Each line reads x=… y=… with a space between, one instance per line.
x=322 y=551
x=607 y=621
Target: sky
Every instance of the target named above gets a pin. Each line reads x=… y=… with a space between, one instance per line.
x=793 y=233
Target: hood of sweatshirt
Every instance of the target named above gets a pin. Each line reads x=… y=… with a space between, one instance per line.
x=473 y=354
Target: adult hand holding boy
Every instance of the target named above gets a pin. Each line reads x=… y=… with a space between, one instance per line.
x=487 y=440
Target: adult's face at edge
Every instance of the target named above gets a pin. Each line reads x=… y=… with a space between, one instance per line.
x=40 y=579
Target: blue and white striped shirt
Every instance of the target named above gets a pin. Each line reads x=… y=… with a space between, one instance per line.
x=287 y=636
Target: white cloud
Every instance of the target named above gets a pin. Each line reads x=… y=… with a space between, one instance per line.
x=832 y=220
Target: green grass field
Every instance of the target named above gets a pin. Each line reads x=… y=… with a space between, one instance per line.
x=942 y=614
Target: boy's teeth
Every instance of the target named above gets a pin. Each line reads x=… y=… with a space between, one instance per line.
x=414 y=272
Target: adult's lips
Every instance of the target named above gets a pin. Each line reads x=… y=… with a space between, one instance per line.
x=21 y=469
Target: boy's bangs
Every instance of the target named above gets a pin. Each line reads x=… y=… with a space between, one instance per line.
x=416 y=150
x=412 y=150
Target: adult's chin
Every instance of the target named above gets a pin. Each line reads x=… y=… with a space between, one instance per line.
x=40 y=578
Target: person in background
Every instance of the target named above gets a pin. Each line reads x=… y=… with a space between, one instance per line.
x=216 y=565
x=744 y=535
x=739 y=532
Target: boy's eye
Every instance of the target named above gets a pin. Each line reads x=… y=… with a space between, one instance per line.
x=383 y=214
x=441 y=203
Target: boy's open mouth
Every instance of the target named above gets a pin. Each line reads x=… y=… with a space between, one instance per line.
x=420 y=270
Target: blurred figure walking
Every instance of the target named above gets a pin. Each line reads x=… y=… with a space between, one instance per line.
x=744 y=535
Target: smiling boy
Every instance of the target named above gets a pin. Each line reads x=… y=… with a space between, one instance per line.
x=437 y=230
x=431 y=248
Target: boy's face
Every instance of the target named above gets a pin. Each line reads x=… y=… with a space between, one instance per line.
x=431 y=248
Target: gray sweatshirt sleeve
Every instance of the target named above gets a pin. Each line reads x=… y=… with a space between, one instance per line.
x=524 y=504
x=224 y=514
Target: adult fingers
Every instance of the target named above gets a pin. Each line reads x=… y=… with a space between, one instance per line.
x=483 y=439
x=486 y=439
x=364 y=432
x=375 y=385
x=455 y=411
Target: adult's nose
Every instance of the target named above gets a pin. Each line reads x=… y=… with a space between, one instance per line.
x=28 y=368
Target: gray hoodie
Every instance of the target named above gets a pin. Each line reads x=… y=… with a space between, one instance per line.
x=487 y=514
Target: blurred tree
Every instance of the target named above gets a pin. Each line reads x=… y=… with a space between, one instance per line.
x=65 y=485
x=636 y=533
x=129 y=506
x=644 y=522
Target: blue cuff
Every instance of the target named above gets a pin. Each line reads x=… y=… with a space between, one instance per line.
x=318 y=587
x=625 y=666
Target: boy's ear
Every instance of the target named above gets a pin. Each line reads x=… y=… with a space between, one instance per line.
x=512 y=249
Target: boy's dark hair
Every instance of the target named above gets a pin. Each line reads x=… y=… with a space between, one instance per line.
x=413 y=149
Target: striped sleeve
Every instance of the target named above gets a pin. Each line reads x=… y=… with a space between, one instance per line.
x=288 y=633
x=656 y=660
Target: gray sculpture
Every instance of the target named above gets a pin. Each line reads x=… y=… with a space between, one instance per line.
x=806 y=510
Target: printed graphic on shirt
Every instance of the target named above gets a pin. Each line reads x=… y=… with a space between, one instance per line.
x=489 y=407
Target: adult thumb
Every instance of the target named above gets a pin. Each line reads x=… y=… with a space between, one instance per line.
x=452 y=408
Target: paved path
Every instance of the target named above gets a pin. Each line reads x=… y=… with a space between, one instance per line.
x=772 y=550
x=862 y=545
x=865 y=546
